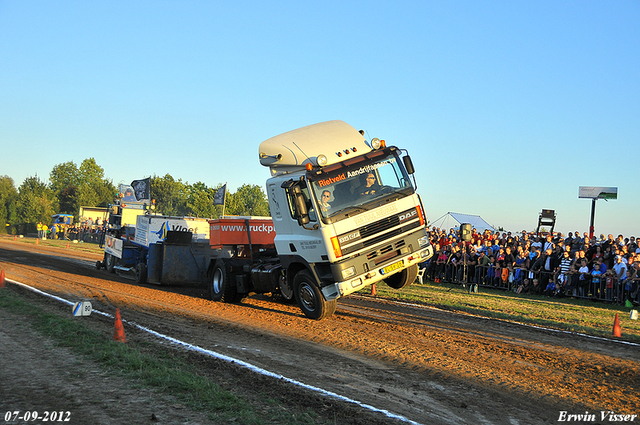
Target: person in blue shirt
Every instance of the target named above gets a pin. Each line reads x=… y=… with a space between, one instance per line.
x=596 y=273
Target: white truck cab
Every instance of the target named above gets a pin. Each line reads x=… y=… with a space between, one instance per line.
x=345 y=211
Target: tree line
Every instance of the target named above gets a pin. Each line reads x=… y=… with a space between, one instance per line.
x=71 y=187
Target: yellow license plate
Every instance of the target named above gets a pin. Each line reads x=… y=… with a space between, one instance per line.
x=392 y=267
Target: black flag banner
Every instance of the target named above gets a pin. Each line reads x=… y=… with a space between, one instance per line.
x=142 y=188
x=218 y=198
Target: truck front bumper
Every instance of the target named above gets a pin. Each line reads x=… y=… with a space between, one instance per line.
x=382 y=271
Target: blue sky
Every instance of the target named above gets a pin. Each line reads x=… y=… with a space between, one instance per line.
x=505 y=107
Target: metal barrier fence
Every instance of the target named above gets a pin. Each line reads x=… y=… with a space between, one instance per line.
x=82 y=235
x=86 y=235
x=604 y=288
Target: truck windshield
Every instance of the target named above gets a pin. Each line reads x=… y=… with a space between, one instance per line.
x=357 y=184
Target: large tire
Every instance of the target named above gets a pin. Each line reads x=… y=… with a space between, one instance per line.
x=141 y=273
x=109 y=262
x=404 y=278
x=286 y=290
x=221 y=286
x=310 y=299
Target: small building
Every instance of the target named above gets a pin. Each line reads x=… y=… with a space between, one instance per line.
x=92 y=213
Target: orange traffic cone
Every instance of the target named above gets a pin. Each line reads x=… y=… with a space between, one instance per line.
x=37 y=241
x=15 y=238
x=118 y=333
x=67 y=245
x=616 y=327
x=374 y=292
x=1 y=278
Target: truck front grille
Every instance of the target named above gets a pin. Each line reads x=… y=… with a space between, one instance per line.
x=379 y=232
x=379 y=226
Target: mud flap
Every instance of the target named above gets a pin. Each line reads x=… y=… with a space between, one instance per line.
x=331 y=292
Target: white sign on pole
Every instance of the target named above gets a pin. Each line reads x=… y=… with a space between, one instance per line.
x=596 y=192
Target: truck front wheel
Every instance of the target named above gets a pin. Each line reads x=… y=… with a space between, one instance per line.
x=403 y=278
x=221 y=287
x=310 y=299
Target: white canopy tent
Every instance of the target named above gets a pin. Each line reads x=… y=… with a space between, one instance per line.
x=454 y=220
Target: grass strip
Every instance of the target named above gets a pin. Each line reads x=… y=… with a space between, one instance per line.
x=89 y=247
x=568 y=314
x=162 y=370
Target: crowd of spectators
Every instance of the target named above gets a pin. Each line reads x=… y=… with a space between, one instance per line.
x=88 y=230
x=603 y=268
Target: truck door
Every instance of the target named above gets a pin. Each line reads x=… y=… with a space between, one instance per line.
x=301 y=208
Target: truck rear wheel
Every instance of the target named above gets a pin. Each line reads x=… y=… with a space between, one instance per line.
x=310 y=299
x=286 y=290
x=404 y=278
x=221 y=287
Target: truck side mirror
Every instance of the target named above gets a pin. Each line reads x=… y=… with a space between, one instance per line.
x=301 y=206
x=408 y=164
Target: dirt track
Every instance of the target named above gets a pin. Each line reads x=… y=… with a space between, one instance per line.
x=428 y=365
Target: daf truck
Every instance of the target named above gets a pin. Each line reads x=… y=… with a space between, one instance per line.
x=345 y=214
x=345 y=211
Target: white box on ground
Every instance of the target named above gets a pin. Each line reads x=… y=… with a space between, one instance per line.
x=82 y=308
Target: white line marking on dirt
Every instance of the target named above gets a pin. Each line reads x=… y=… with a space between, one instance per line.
x=220 y=356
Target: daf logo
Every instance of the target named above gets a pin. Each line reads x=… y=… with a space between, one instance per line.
x=346 y=238
x=408 y=215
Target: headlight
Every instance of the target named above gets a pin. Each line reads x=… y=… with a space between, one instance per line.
x=322 y=160
x=376 y=143
x=347 y=273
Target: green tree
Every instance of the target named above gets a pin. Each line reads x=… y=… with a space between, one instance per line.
x=68 y=200
x=63 y=181
x=62 y=176
x=8 y=194
x=93 y=188
x=247 y=200
x=171 y=195
x=85 y=186
x=200 y=201
x=35 y=202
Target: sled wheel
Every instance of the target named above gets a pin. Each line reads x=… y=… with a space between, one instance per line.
x=109 y=262
x=141 y=273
